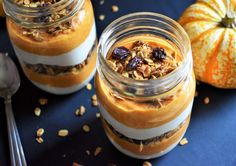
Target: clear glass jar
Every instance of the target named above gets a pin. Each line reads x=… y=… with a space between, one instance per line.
x=55 y=43
x=145 y=118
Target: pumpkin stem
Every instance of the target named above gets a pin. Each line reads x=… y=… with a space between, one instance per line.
x=229 y=21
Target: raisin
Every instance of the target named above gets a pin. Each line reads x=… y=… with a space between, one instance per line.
x=159 y=54
x=120 y=53
x=133 y=63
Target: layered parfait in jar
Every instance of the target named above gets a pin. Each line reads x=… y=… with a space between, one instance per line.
x=145 y=84
x=55 y=42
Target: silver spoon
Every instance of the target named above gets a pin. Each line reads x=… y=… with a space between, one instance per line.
x=9 y=84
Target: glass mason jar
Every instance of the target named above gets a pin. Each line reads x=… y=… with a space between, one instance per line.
x=145 y=118
x=54 y=42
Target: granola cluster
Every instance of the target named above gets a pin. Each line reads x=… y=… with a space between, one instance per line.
x=62 y=27
x=142 y=61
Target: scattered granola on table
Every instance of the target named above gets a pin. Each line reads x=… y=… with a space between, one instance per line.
x=81 y=111
x=147 y=163
x=115 y=8
x=183 y=142
x=37 y=111
x=206 y=100
x=43 y=101
x=86 y=128
x=63 y=133
x=101 y=17
x=97 y=151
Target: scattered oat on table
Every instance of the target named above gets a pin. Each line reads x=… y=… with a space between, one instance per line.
x=37 y=111
x=63 y=133
x=94 y=97
x=115 y=8
x=86 y=128
x=87 y=152
x=147 y=163
x=89 y=86
x=81 y=111
x=206 y=100
x=39 y=140
x=98 y=115
x=40 y=132
x=183 y=142
x=95 y=103
x=102 y=17
x=97 y=151
x=102 y=2
x=76 y=164
x=43 y=101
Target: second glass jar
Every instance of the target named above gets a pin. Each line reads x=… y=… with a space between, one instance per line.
x=54 y=42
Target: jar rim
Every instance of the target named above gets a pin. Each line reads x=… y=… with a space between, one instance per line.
x=159 y=82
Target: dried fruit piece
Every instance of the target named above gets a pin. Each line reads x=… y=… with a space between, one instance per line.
x=146 y=163
x=63 y=133
x=159 y=53
x=120 y=53
x=183 y=142
x=86 y=128
x=133 y=63
x=97 y=151
x=40 y=132
x=37 y=111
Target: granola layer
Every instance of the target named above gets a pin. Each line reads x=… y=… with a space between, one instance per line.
x=150 y=148
x=62 y=80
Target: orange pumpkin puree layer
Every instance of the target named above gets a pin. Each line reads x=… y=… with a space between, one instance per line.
x=67 y=79
x=149 y=149
x=52 y=45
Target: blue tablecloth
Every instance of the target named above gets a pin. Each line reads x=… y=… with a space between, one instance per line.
x=211 y=134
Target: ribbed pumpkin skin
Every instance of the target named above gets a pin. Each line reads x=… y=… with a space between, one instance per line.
x=213 y=45
x=1 y=9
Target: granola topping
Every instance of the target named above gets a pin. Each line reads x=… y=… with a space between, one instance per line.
x=59 y=28
x=142 y=61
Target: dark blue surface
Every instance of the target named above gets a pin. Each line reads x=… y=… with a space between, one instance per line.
x=211 y=134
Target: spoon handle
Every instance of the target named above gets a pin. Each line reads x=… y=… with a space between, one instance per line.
x=16 y=150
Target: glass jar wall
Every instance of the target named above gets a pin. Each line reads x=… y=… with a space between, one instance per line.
x=55 y=42
x=144 y=118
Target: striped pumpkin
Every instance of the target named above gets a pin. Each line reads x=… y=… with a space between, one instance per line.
x=1 y=9
x=211 y=26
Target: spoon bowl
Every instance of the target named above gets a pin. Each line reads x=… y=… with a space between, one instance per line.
x=9 y=77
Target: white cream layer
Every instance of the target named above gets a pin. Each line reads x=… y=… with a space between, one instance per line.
x=71 y=58
x=145 y=157
x=64 y=91
x=142 y=134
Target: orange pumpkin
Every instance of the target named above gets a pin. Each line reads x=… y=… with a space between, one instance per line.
x=1 y=9
x=211 y=26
